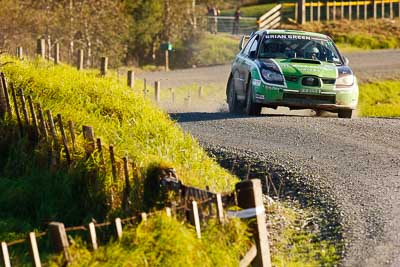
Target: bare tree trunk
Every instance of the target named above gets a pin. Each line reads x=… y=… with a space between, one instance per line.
x=71 y=31
x=88 y=45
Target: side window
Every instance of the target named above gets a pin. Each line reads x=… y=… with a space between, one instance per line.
x=253 y=48
x=248 y=46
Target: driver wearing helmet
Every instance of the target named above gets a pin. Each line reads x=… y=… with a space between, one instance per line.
x=311 y=53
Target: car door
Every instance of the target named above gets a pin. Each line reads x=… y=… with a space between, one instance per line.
x=238 y=69
x=245 y=66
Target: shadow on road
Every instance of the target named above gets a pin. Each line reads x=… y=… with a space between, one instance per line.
x=209 y=116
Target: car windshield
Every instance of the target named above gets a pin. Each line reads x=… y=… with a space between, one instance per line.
x=298 y=46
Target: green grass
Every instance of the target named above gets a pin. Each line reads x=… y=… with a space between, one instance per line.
x=163 y=241
x=249 y=11
x=121 y=117
x=296 y=242
x=206 y=49
x=379 y=99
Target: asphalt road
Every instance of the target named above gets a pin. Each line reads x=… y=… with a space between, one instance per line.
x=356 y=161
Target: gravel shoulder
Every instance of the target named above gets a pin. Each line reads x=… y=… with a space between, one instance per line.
x=356 y=162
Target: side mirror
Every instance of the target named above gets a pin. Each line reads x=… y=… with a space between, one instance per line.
x=346 y=61
x=243 y=41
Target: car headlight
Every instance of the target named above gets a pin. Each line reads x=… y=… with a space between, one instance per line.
x=345 y=80
x=272 y=76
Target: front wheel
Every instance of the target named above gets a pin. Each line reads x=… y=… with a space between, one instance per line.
x=233 y=103
x=252 y=109
x=345 y=113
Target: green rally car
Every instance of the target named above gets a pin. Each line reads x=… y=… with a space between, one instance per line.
x=295 y=69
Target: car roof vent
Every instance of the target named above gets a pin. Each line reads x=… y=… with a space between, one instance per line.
x=308 y=61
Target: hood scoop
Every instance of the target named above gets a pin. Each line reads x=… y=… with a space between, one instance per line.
x=307 y=61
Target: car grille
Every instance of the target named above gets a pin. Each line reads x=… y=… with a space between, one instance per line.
x=310 y=81
x=329 y=81
x=310 y=99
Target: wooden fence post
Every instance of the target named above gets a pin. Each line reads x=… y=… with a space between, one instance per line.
x=71 y=129
x=58 y=236
x=350 y=10
x=311 y=11
x=301 y=11
x=398 y=9
x=249 y=195
x=143 y=215
x=131 y=79
x=33 y=116
x=127 y=188
x=113 y=166
x=80 y=59
x=196 y=218
x=93 y=237
x=53 y=131
x=3 y=102
x=104 y=66
x=64 y=139
x=220 y=209
x=391 y=9
x=20 y=53
x=16 y=109
x=43 y=128
x=334 y=11
x=168 y=211
x=41 y=48
x=88 y=135
x=57 y=53
x=358 y=10
x=24 y=108
x=342 y=10
x=33 y=249
x=118 y=228
x=5 y=256
x=4 y=84
x=319 y=11
x=365 y=10
x=144 y=87
x=55 y=156
x=157 y=91
x=200 y=94
x=374 y=8
x=100 y=150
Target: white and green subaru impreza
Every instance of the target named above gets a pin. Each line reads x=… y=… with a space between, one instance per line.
x=295 y=69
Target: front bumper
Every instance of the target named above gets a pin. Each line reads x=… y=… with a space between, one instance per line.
x=304 y=98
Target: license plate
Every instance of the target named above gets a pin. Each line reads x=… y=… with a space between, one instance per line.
x=310 y=91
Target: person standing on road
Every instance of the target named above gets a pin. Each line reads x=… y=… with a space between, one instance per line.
x=236 y=21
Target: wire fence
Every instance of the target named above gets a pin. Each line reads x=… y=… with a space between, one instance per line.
x=226 y=24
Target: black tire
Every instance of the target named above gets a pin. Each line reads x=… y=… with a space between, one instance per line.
x=345 y=113
x=233 y=103
x=251 y=109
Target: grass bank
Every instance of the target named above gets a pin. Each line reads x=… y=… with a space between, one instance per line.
x=119 y=116
x=33 y=195
x=379 y=99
